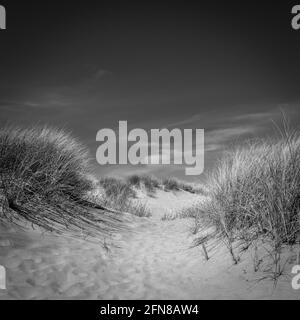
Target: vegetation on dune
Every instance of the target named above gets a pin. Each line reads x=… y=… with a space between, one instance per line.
x=255 y=193
x=120 y=196
x=44 y=180
x=116 y=188
x=187 y=212
x=149 y=182
x=42 y=161
x=173 y=184
x=134 y=180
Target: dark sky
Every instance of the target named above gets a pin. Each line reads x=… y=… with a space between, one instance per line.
x=227 y=67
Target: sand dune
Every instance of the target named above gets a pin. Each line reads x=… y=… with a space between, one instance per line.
x=154 y=260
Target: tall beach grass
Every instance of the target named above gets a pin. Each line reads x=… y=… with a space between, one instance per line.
x=44 y=179
x=255 y=193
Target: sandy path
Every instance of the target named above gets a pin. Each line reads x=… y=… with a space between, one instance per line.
x=154 y=261
x=158 y=261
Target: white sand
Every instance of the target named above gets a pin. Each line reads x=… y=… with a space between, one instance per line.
x=154 y=261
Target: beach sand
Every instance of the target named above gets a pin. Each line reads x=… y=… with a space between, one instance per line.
x=155 y=259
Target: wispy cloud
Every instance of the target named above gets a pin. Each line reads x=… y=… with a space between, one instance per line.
x=225 y=134
x=248 y=117
x=258 y=116
x=191 y=120
x=230 y=128
x=100 y=73
x=39 y=103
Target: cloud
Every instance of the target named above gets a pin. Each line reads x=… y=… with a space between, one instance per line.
x=221 y=135
x=73 y=95
x=225 y=131
x=100 y=73
x=258 y=116
x=216 y=140
x=165 y=156
x=18 y=105
x=39 y=99
x=127 y=170
x=191 y=120
x=230 y=128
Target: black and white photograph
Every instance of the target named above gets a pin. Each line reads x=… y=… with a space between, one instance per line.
x=149 y=150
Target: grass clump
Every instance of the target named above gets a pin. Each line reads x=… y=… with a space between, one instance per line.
x=255 y=192
x=171 y=184
x=120 y=196
x=42 y=161
x=149 y=182
x=116 y=188
x=44 y=179
x=134 y=180
x=138 y=209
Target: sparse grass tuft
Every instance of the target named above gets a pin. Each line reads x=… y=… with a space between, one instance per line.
x=134 y=180
x=171 y=184
x=120 y=196
x=185 y=213
x=138 y=209
x=149 y=182
x=116 y=188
